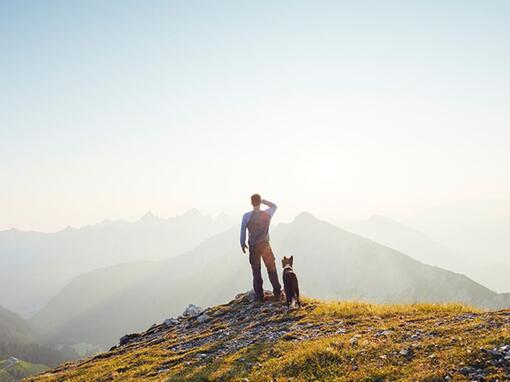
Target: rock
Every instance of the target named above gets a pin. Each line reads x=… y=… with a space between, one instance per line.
x=466 y=370
x=192 y=311
x=290 y=337
x=353 y=341
x=203 y=318
x=407 y=352
x=171 y=322
x=383 y=333
x=128 y=338
x=495 y=353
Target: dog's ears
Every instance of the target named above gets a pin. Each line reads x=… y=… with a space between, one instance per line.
x=284 y=257
x=291 y=258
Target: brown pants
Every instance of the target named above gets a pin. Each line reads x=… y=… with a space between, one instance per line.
x=263 y=251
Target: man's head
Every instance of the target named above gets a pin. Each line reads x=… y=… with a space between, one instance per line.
x=256 y=200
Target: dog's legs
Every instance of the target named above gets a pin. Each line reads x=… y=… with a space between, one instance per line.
x=297 y=296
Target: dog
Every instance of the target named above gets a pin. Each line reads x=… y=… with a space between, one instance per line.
x=290 y=281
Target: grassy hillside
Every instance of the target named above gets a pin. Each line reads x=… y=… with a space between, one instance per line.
x=12 y=370
x=323 y=341
x=18 y=340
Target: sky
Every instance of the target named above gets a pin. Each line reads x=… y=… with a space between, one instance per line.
x=109 y=109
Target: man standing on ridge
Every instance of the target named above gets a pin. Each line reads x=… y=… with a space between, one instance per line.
x=257 y=222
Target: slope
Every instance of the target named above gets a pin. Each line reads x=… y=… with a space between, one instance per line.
x=335 y=341
x=405 y=239
x=13 y=369
x=17 y=340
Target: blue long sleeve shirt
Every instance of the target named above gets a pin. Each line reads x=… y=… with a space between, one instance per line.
x=257 y=223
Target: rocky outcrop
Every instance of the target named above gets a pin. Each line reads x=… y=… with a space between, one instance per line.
x=360 y=340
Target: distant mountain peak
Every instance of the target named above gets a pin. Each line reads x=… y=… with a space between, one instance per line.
x=305 y=216
x=149 y=216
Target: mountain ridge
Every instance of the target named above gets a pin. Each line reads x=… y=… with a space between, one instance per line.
x=331 y=263
x=27 y=259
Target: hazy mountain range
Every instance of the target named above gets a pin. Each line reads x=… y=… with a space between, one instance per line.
x=478 y=229
x=331 y=263
x=405 y=239
x=482 y=266
x=35 y=266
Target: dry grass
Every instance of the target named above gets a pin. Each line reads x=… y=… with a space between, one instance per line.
x=352 y=309
x=450 y=336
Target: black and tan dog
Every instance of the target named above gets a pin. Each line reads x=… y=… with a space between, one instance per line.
x=290 y=281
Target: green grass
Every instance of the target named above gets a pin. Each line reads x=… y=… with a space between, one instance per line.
x=20 y=370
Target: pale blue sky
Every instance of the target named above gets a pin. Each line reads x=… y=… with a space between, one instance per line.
x=112 y=108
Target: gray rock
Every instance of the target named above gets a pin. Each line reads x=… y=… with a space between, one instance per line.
x=171 y=322
x=203 y=318
x=192 y=311
x=466 y=370
x=407 y=352
x=128 y=338
x=495 y=353
x=383 y=333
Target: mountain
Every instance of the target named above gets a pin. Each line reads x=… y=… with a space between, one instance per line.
x=407 y=240
x=426 y=250
x=13 y=369
x=334 y=341
x=479 y=229
x=18 y=340
x=35 y=266
x=331 y=263
x=95 y=289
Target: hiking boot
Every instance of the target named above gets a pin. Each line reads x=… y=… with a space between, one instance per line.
x=277 y=297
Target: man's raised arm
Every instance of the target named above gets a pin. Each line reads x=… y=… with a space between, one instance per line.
x=272 y=207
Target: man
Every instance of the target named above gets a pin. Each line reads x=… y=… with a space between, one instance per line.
x=257 y=222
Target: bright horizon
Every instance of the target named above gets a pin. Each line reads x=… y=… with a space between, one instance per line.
x=110 y=110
